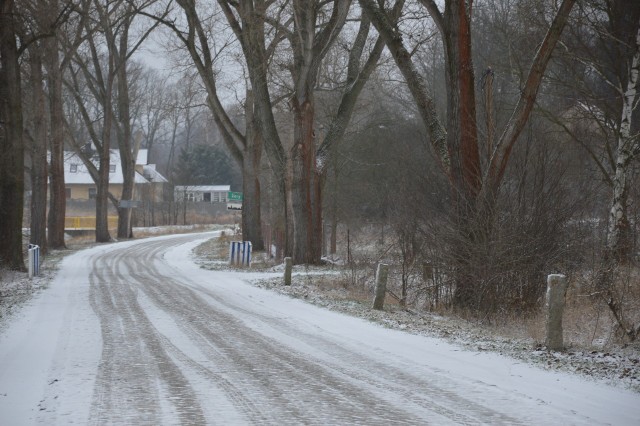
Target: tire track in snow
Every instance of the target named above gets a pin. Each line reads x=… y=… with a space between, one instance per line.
x=135 y=371
x=291 y=388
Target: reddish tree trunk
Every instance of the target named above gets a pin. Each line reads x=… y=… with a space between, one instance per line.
x=305 y=188
x=462 y=141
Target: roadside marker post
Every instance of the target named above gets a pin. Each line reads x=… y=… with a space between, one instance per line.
x=554 y=306
x=34 y=260
x=240 y=253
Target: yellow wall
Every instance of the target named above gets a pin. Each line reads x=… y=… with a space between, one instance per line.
x=88 y=222
x=81 y=192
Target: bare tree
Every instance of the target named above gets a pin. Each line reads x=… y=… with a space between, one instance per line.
x=311 y=29
x=105 y=72
x=246 y=149
x=154 y=95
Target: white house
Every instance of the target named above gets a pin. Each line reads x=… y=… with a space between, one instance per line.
x=80 y=186
x=202 y=193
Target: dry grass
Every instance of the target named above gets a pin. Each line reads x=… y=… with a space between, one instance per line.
x=589 y=322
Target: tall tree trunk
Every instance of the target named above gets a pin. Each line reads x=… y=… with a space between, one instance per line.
x=11 y=143
x=251 y=156
x=57 y=192
x=309 y=49
x=251 y=219
x=306 y=207
x=102 y=193
x=462 y=141
x=38 y=151
x=128 y=152
x=462 y=130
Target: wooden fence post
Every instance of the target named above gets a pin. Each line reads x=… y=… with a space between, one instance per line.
x=381 y=286
x=556 y=289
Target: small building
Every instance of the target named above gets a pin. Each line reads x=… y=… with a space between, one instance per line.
x=202 y=193
x=80 y=186
x=154 y=189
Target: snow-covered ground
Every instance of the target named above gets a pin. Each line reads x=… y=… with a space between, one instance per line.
x=617 y=365
x=137 y=333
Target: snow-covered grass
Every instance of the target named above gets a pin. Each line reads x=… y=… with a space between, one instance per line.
x=332 y=287
x=16 y=287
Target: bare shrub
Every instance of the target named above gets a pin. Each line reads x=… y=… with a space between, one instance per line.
x=618 y=293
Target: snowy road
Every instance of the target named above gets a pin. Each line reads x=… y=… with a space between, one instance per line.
x=134 y=333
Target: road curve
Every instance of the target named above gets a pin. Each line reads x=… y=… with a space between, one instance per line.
x=180 y=345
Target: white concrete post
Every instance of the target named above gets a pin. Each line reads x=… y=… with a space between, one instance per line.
x=288 y=266
x=556 y=290
x=381 y=286
x=31 y=261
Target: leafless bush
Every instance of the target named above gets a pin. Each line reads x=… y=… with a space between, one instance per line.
x=616 y=290
x=499 y=251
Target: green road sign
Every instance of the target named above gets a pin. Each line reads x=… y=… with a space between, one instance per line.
x=234 y=196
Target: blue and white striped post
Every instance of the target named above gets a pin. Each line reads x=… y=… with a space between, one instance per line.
x=34 y=260
x=240 y=253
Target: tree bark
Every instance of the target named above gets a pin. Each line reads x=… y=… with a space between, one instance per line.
x=11 y=143
x=305 y=201
x=128 y=152
x=57 y=191
x=38 y=127
x=252 y=154
x=102 y=184
x=309 y=49
x=462 y=130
